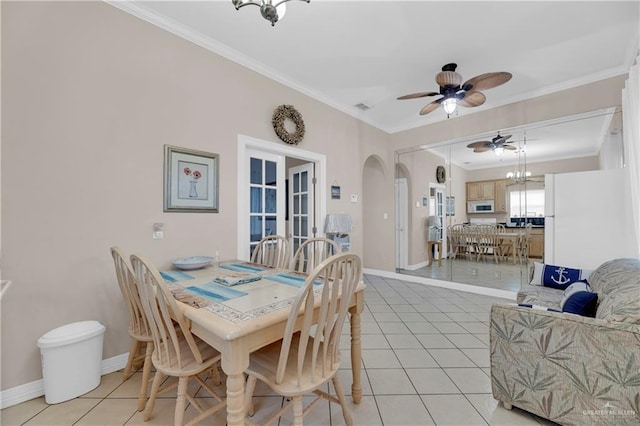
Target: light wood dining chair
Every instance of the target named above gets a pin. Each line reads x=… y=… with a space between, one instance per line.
x=177 y=352
x=313 y=252
x=488 y=242
x=305 y=360
x=273 y=251
x=138 y=327
x=523 y=243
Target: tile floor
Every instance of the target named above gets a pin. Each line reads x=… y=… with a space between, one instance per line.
x=425 y=356
x=503 y=275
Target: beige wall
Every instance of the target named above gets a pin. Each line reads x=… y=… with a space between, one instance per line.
x=90 y=95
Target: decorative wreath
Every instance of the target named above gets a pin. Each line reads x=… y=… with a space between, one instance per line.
x=280 y=115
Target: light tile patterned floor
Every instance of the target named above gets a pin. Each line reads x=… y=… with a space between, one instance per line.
x=484 y=273
x=425 y=358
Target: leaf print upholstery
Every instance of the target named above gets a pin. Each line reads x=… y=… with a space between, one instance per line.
x=568 y=371
x=571 y=369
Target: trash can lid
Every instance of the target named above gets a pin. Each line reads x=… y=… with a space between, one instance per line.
x=71 y=333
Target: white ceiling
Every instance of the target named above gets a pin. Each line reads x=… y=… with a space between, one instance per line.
x=348 y=52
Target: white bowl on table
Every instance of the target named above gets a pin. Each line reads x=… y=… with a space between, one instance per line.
x=192 y=262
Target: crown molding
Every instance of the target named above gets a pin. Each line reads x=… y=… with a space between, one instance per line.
x=233 y=55
x=180 y=30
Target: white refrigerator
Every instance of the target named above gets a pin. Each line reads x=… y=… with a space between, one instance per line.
x=587 y=218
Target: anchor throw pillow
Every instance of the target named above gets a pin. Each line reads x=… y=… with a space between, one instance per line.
x=558 y=277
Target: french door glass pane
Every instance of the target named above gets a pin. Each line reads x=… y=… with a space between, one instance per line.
x=256 y=200
x=303 y=178
x=303 y=224
x=303 y=203
x=296 y=183
x=256 y=171
x=270 y=203
x=296 y=225
x=296 y=204
x=256 y=228
x=270 y=225
x=270 y=173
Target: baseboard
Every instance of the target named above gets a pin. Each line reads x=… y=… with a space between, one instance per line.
x=494 y=292
x=35 y=389
x=416 y=266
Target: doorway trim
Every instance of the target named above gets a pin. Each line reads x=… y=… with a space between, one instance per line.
x=247 y=143
x=402 y=222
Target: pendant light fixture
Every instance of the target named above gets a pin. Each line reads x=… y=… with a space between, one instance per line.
x=271 y=10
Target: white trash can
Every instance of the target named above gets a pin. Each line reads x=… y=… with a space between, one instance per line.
x=71 y=360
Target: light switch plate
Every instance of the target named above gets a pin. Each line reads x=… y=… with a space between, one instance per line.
x=158 y=232
x=354 y=198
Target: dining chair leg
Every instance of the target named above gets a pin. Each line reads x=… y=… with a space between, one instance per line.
x=148 y=409
x=297 y=410
x=133 y=352
x=146 y=371
x=337 y=386
x=248 y=399
x=181 y=401
x=215 y=375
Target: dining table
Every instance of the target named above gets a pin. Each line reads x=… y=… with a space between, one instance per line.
x=470 y=234
x=512 y=237
x=238 y=307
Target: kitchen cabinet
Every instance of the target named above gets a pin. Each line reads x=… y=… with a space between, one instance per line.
x=536 y=243
x=478 y=191
x=500 y=202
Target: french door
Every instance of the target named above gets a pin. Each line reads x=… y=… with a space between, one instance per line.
x=301 y=205
x=266 y=196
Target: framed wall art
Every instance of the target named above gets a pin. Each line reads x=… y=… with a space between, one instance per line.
x=335 y=192
x=451 y=206
x=190 y=180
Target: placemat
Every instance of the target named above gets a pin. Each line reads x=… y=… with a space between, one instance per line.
x=242 y=267
x=289 y=279
x=173 y=276
x=215 y=292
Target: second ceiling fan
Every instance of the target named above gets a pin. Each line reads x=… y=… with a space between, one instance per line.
x=455 y=93
x=498 y=143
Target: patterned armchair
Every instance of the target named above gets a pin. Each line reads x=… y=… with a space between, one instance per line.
x=567 y=368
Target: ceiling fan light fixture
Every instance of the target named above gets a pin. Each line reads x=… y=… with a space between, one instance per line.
x=498 y=150
x=269 y=11
x=450 y=105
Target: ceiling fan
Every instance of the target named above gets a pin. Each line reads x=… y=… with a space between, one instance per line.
x=455 y=93
x=497 y=144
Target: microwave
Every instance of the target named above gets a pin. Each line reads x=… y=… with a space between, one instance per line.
x=485 y=206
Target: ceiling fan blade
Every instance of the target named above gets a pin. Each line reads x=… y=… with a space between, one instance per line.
x=510 y=147
x=418 y=95
x=488 y=80
x=477 y=144
x=430 y=107
x=472 y=99
x=482 y=149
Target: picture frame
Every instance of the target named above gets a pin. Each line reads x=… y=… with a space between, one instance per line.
x=335 y=192
x=451 y=206
x=190 y=180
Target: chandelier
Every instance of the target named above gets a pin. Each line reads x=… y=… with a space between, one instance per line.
x=271 y=10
